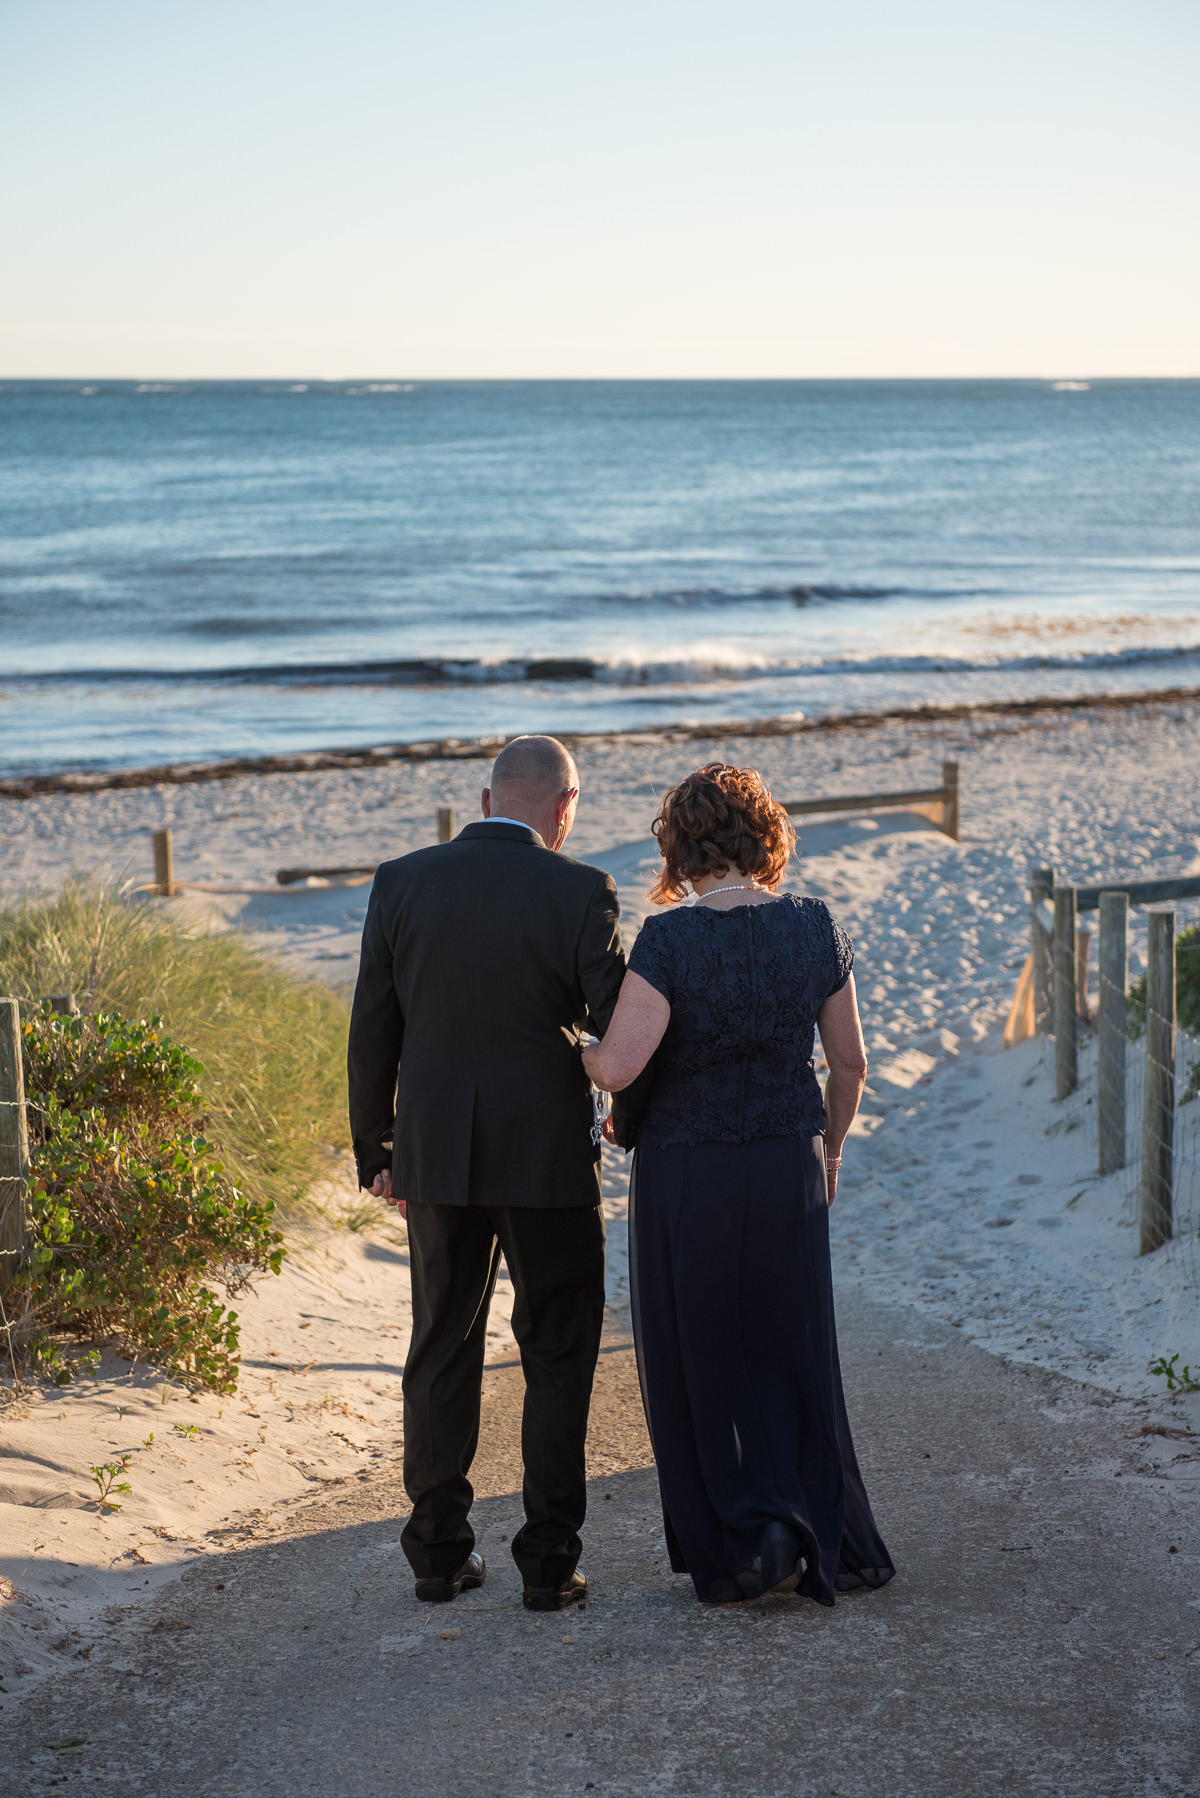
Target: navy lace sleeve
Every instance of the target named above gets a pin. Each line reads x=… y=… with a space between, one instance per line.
x=651 y=956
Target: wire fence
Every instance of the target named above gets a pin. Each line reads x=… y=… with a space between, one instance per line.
x=1152 y=1144
x=1164 y=1161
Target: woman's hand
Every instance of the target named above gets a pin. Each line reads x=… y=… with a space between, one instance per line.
x=846 y=1054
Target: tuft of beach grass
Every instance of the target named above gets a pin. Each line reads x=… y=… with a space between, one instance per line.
x=273 y=1045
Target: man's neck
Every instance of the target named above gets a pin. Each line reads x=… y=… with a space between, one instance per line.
x=521 y=824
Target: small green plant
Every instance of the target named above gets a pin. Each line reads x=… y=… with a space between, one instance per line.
x=148 y=1441
x=1178 y=1379
x=52 y=1361
x=108 y=1480
x=185 y=1429
x=132 y=1208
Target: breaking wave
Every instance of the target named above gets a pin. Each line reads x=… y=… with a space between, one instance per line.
x=683 y=670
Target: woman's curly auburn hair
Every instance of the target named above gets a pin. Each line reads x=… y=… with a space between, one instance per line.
x=715 y=820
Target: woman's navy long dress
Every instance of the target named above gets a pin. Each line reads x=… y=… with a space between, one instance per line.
x=729 y=1241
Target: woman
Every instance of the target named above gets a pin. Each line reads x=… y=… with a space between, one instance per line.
x=736 y=1165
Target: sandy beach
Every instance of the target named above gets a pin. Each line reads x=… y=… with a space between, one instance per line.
x=815 y=391
x=967 y=1194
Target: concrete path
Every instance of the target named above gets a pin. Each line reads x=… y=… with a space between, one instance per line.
x=1043 y=1634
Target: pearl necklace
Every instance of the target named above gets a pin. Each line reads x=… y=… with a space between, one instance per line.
x=735 y=886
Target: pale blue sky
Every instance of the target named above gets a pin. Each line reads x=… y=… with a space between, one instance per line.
x=676 y=187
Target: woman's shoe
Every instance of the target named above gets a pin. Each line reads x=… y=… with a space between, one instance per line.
x=778 y=1565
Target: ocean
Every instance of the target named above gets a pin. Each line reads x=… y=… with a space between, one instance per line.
x=207 y=569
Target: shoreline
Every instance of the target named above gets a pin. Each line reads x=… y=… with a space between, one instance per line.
x=33 y=786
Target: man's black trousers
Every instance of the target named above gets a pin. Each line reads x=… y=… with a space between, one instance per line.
x=555 y=1256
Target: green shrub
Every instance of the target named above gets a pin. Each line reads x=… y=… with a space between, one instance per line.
x=132 y=1209
x=273 y=1047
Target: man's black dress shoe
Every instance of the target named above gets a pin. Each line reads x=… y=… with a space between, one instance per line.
x=472 y=1573
x=557 y=1598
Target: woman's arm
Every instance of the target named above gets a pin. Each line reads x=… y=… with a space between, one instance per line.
x=637 y=1028
x=846 y=1053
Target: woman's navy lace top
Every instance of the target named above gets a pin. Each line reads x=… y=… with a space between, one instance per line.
x=744 y=987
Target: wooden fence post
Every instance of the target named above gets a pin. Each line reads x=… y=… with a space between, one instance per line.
x=1066 y=1072
x=63 y=1005
x=1158 y=1109
x=445 y=823
x=164 y=865
x=1114 y=973
x=1041 y=891
x=950 y=802
x=1083 y=951
x=14 y=1146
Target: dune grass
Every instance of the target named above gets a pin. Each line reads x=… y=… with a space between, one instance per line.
x=273 y=1047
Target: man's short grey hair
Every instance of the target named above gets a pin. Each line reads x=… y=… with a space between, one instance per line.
x=536 y=765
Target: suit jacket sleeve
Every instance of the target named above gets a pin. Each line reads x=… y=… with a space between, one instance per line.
x=600 y=960
x=373 y=1055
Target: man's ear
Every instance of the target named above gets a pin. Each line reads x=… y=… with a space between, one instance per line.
x=485 y=802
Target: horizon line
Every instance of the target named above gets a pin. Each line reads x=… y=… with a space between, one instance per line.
x=742 y=380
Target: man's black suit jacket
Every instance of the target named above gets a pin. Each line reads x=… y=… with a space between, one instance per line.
x=483 y=960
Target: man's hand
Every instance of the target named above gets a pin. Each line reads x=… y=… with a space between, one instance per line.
x=381 y=1188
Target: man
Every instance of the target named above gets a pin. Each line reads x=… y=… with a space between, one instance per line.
x=483 y=962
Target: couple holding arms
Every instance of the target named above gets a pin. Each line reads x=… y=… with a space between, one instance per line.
x=487 y=964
